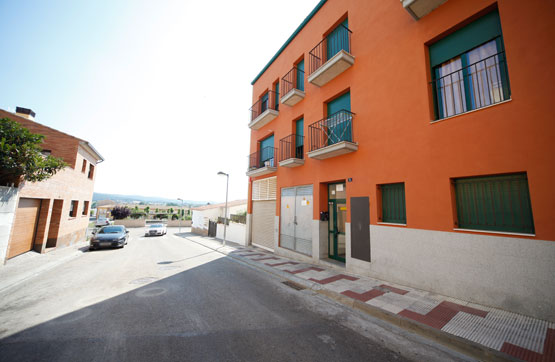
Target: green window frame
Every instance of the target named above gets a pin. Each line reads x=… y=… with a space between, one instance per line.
x=393 y=203
x=470 y=84
x=494 y=203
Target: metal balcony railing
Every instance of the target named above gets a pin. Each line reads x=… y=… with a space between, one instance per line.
x=294 y=79
x=337 y=40
x=331 y=130
x=268 y=101
x=261 y=158
x=291 y=146
x=477 y=85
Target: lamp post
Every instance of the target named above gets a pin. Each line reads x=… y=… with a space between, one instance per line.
x=226 y=188
x=180 y=216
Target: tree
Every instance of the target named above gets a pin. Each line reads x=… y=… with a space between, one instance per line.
x=21 y=157
x=120 y=212
x=147 y=210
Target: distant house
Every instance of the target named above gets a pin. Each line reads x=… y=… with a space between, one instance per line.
x=203 y=214
x=54 y=212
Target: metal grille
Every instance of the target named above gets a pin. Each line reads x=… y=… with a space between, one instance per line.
x=475 y=86
x=393 y=203
x=291 y=146
x=337 y=40
x=262 y=158
x=291 y=81
x=336 y=128
x=268 y=101
x=497 y=203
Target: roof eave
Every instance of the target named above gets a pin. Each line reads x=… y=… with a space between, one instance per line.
x=297 y=31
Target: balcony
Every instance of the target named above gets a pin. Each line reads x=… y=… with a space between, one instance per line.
x=262 y=162
x=420 y=8
x=292 y=87
x=332 y=136
x=264 y=111
x=291 y=151
x=331 y=57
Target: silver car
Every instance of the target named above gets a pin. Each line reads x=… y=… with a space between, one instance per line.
x=156 y=229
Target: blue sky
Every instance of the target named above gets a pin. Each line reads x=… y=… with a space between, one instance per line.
x=160 y=88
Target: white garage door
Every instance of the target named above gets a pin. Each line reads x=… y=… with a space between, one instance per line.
x=263 y=212
x=263 y=215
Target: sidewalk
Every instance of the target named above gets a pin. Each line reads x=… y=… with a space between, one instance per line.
x=479 y=331
x=31 y=264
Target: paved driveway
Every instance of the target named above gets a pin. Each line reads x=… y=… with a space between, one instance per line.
x=170 y=299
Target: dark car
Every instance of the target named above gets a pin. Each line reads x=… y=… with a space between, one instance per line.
x=113 y=236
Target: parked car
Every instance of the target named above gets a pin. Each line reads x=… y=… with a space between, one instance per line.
x=111 y=236
x=156 y=229
x=102 y=221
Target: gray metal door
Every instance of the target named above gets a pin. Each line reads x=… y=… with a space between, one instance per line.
x=296 y=219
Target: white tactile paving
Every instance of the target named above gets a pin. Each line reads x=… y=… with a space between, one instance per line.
x=391 y=302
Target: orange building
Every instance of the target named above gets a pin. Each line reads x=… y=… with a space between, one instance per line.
x=55 y=212
x=412 y=141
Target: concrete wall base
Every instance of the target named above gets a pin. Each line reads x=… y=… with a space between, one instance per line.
x=515 y=274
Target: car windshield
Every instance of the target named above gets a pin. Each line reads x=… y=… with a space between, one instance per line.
x=111 y=230
x=156 y=226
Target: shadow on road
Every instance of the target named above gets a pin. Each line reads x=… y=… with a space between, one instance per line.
x=220 y=310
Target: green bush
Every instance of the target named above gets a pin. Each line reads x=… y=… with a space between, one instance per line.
x=137 y=215
x=175 y=217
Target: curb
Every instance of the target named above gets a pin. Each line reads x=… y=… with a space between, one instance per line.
x=467 y=347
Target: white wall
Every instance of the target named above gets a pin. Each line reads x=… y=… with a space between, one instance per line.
x=200 y=217
x=510 y=273
x=8 y=206
x=235 y=232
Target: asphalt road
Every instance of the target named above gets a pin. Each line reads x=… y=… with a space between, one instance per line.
x=170 y=299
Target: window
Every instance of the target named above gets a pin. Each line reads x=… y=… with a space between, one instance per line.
x=264 y=102
x=393 y=203
x=338 y=39
x=46 y=153
x=338 y=124
x=267 y=152
x=85 y=208
x=496 y=203
x=299 y=139
x=276 y=95
x=264 y=189
x=84 y=167
x=300 y=75
x=469 y=68
x=91 y=171
x=73 y=208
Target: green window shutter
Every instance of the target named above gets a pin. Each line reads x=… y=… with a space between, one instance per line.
x=300 y=75
x=495 y=203
x=267 y=153
x=340 y=103
x=486 y=28
x=393 y=203
x=338 y=40
x=277 y=95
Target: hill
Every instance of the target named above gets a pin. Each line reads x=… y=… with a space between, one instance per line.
x=145 y=199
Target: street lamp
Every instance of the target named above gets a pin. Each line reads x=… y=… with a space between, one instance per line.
x=226 y=188
x=181 y=212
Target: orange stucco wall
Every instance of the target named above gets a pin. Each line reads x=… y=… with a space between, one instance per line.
x=391 y=99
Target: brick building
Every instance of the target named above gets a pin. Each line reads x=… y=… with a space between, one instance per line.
x=412 y=141
x=55 y=212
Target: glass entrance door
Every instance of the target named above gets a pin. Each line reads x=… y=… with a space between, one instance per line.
x=337 y=217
